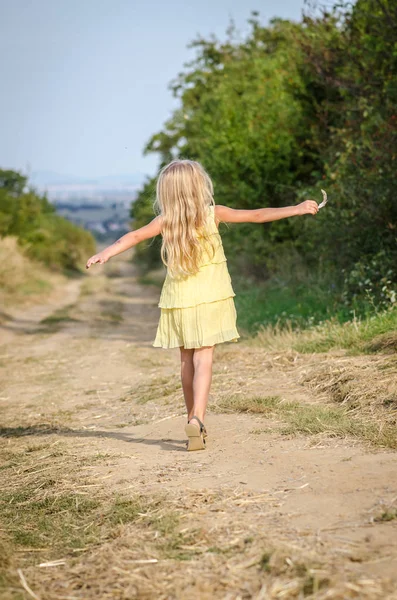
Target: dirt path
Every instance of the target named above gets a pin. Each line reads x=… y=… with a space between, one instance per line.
x=82 y=372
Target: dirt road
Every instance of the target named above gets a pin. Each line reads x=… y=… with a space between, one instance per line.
x=267 y=513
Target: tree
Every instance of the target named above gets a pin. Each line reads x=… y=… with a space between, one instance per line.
x=293 y=108
x=12 y=181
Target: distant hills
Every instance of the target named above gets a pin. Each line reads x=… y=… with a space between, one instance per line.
x=43 y=179
x=106 y=188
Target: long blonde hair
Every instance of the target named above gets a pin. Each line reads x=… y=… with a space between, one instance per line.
x=183 y=195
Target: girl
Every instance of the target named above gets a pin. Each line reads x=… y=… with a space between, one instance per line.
x=197 y=307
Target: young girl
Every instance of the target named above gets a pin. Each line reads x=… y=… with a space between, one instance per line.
x=197 y=307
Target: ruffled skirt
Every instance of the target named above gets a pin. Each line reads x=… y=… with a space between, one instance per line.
x=206 y=324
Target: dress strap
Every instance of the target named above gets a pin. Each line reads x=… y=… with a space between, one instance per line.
x=212 y=219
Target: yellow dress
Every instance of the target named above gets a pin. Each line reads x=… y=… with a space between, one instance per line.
x=198 y=310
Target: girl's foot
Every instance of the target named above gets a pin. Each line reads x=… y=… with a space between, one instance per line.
x=201 y=424
x=195 y=433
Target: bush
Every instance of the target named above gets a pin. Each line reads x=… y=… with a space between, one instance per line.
x=43 y=234
x=293 y=108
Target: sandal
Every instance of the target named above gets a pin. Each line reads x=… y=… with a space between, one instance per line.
x=205 y=432
x=196 y=435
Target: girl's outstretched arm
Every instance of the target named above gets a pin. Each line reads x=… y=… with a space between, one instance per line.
x=127 y=241
x=225 y=214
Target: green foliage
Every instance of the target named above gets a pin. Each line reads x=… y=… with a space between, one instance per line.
x=350 y=63
x=292 y=108
x=298 y=306
x=373 y=278
x=374 y=333
x=44 y=235
x=239 y=118
x=12 y=181
x=147 y=254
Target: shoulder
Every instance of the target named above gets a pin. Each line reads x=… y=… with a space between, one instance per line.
x=156 y=223
x=221 y=212
x=220 y=209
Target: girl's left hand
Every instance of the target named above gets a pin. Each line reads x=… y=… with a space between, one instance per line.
x=97 y=258
x=308 y=207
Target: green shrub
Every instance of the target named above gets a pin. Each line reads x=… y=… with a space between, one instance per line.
x=275 y=117
x=43 y=234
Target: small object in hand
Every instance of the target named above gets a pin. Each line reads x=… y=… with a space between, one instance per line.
x=325 y=199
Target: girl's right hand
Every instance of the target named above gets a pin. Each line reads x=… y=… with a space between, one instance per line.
x=308 y=207
x=100 y=258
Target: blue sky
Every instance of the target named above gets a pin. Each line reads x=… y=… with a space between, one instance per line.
x=84 y=82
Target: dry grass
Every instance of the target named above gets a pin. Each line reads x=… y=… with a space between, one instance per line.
x=313 y=419
x=158 y=389
x=386 y=342
x=54 y=509
x=67 y=536
x=360 y=391
x=95 y=284
x=365 y=386
x=377 y=333
x=21 y=279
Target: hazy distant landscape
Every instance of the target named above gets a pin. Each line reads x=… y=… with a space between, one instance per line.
x=100 y=205
x=105 y=220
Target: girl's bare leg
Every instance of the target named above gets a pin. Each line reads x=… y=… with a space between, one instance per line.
x=187 y=373
x=202 y=364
